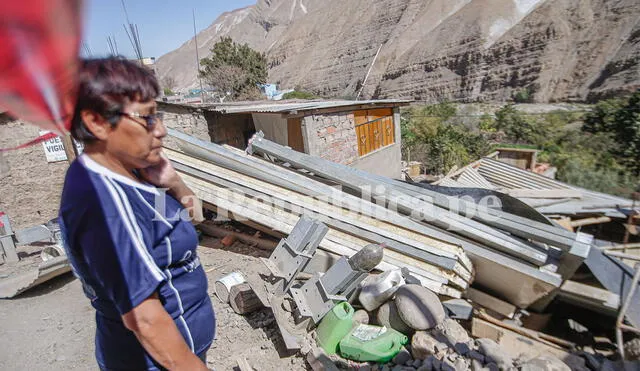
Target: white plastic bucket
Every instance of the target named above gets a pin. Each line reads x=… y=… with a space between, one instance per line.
x=225 y=283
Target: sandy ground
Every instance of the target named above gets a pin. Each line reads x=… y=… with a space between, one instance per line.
x=51 y=327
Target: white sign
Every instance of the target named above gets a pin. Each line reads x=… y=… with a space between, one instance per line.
x=54 y=149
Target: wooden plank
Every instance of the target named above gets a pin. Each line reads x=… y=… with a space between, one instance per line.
x=586 y=293
x=283 y=221
x=274 y=174
x=342 y=210
x=518 y=345
x=487 y=301
x=327 y=214
x=294 y=134
x=589 y=221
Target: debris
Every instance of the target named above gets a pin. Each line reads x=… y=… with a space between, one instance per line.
x=494 y=353
x=361 y=316
x=319 y=361
x=244 y=365
x=243 y=299
x=388 y=316
x=418 y=307
x=453 y=331
x=224 y=284
x=632 y=349
x=423 y=345
x=402 y=357
x=372 y=343
x=14 y=285
x=335 y=325
x=377 y=289
x=515 y=344
x=229 y=237
x=319 y=294
x=545 y=363
x=228 y=240
x=294 y=252
x=487 y=301
x=458 y=308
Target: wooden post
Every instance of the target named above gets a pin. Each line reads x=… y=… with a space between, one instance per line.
x=243 y=299
x=69 y=147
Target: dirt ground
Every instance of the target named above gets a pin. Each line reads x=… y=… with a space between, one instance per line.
x=51 y=327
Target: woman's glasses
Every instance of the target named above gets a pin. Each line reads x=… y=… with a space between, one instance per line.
x=149 y=120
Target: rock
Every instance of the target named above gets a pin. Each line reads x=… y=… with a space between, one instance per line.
x=476 y=365
x=462 y=348
x=418 y=307
x=453 y=331
x=447 y=365
x=460 y=365
x=409 y=363
x=436 y=364
x=423 y=345
x=545 y=363
x=492 y=367
x=493 y=353
x=365 y=367
x=475 y=355
x=417 y=363
x=458 y=309
x=425 y=368
x=388 y=316
x=361 y=316
x=385 y=368
x=632 y=349
x=402 y=357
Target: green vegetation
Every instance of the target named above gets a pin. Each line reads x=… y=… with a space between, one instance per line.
x=234 y=70
x=168 y=91
x=299 y=95
x=598 y=150
x=430 y=135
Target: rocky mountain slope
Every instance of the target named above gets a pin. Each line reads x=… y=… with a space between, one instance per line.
x=459 y=50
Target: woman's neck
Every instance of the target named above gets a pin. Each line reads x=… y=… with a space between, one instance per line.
x=110 y=162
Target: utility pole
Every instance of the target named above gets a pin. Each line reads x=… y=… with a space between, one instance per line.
x=195 y=37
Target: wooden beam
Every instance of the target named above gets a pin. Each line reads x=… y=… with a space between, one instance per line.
x=590 y=221
x=490 y=302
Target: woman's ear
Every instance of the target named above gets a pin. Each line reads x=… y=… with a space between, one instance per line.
x=96 y=124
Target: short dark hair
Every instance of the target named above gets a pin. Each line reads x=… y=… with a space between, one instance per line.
x=105 y=86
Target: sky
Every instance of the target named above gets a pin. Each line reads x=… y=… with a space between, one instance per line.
x=163 y=25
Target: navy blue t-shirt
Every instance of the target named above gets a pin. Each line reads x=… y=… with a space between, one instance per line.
x=126 y=241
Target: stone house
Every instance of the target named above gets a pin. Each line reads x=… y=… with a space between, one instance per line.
x=362 y=134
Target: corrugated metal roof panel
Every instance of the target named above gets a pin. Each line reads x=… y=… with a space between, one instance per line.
x=273 y=107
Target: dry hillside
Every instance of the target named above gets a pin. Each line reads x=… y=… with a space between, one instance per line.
x=466 y=50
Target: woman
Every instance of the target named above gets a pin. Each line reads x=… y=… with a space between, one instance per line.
x=125 y=230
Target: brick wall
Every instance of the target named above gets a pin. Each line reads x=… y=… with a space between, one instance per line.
x=30 y=186
x=331 y=136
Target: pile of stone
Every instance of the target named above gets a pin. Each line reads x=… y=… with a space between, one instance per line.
x=439 y=342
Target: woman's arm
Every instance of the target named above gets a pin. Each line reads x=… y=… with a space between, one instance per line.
x=160 y=337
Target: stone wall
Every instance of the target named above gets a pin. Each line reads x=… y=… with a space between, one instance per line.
x=188 y=120
x=331 y=136
x=30 y=187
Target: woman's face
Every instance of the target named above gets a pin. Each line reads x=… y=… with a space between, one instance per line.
x=132 y=141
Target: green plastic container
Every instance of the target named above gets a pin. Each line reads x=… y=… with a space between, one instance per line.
x=334 y=326
x=367 y=343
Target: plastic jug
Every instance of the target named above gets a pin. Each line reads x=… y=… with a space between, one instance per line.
x=380 y=289
x=334 y=326
x=367 y=343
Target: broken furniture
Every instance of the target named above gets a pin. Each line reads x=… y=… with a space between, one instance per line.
x=294 y=252
x=321 y=293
